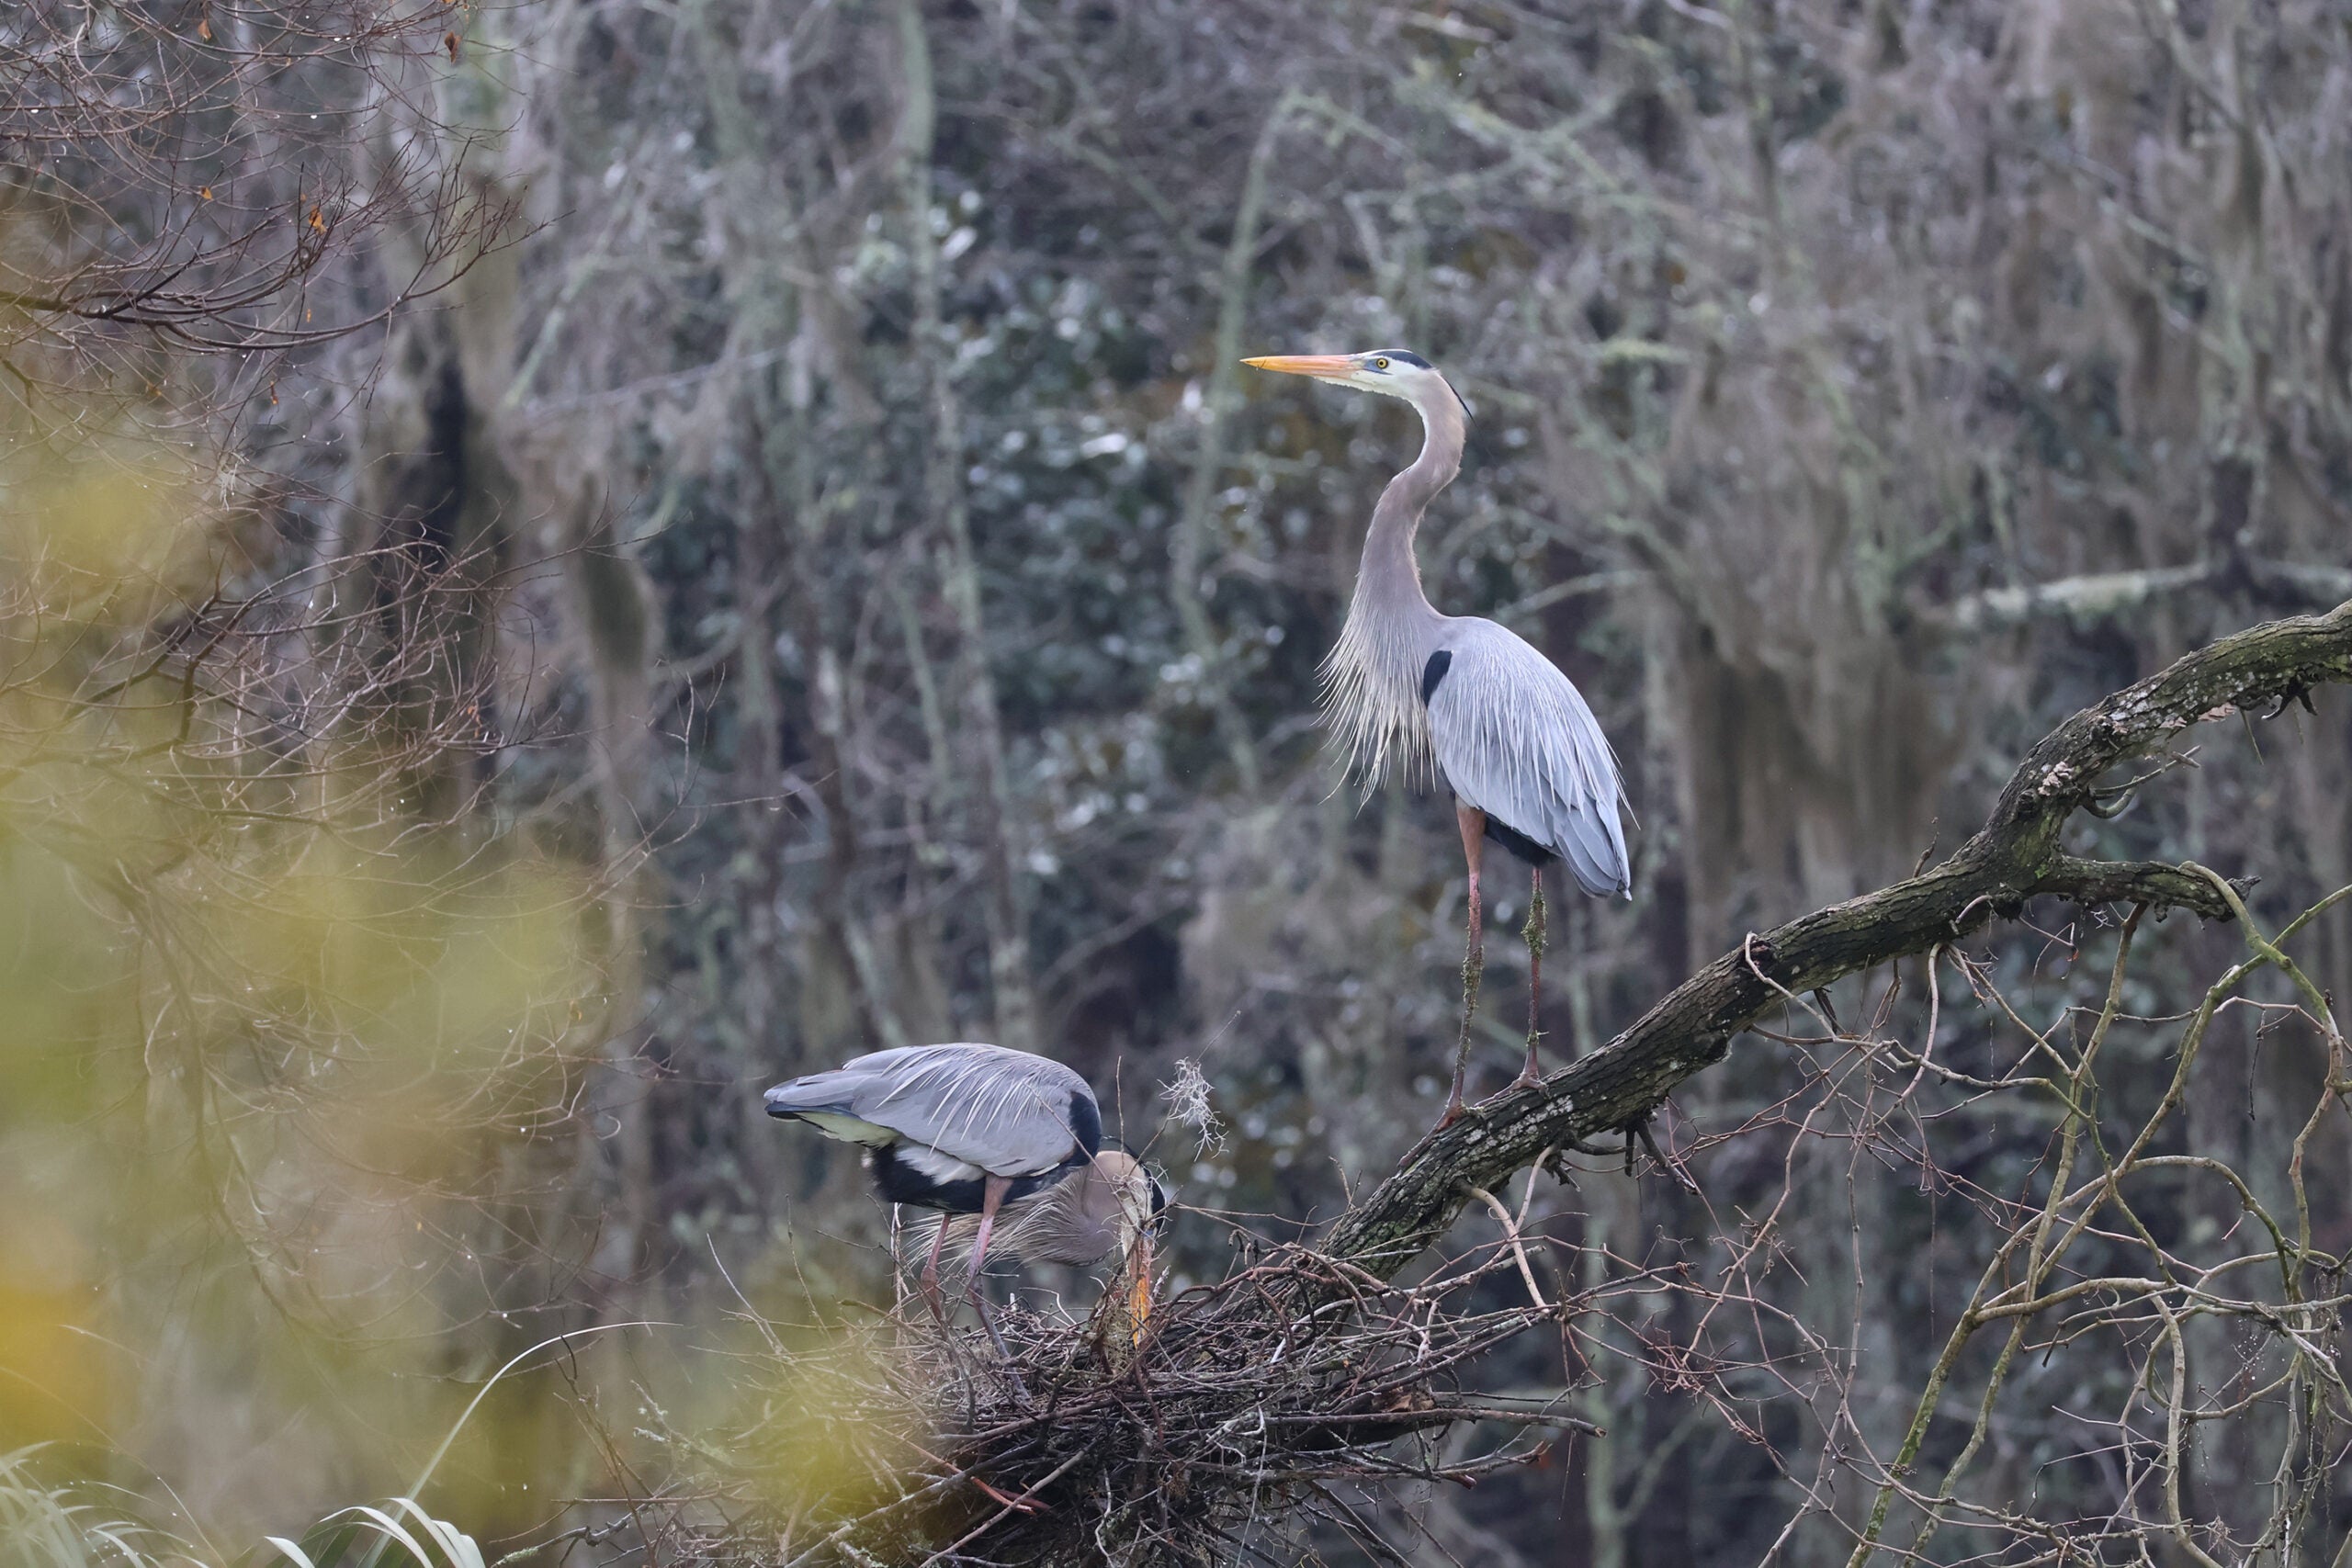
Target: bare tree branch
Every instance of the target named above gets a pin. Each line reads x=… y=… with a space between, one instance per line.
x=2098 y=595
x=2013 y=857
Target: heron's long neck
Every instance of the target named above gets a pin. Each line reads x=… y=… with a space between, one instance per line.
x=1371 y=685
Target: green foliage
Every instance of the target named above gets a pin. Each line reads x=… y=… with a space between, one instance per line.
x=48 y=1525
x=44 y=1524
x=401 y=1535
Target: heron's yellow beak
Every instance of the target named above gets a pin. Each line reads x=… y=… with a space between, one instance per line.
x=1322 y=366
x=1139 y=1291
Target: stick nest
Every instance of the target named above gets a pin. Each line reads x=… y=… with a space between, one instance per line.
x=895 y=1443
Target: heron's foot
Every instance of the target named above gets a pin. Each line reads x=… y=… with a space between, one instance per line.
x=1533 y=1070
x=1461 y=1061
x=1452 y=1112
x=1018 y=1505
x=1003 y=1351
x=956 y=1357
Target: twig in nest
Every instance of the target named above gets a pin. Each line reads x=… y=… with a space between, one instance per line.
x=1026 y=1503
x=1239 y=1398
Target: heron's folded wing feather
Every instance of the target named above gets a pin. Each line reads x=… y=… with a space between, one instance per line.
x=1516 y=739
x=1006 y=1111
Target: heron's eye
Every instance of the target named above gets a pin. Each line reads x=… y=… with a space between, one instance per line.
x=1380 y=363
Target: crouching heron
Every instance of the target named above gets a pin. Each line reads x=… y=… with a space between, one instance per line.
x=1512 y=736
x=1010 y=1139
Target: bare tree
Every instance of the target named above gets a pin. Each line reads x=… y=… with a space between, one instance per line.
x=182 y=177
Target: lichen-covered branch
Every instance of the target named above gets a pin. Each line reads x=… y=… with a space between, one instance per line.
x=2013 y=857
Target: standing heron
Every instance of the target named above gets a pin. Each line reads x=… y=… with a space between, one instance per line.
x=985 y=1131
x=1512 y=736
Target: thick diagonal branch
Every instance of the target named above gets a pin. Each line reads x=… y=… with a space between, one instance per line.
x=2013 y=857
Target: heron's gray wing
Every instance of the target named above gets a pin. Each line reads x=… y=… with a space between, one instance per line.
x=1515 y=740
x=1005 y=1112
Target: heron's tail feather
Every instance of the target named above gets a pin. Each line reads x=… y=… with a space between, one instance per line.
x=1595 y=850
x=825 y=1102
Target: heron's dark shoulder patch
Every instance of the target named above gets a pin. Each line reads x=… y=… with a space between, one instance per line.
x=1435 y=671
x=1086 y=1123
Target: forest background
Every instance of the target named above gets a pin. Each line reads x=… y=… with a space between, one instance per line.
x=572 y=559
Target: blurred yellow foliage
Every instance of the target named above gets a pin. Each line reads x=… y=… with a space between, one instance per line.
x=827 y=1445
x=270 y=1043
x=99 y=515
x=54 y=1379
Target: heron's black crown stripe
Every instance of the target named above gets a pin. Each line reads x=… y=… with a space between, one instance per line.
x=1405 y=356
x=1435 y=671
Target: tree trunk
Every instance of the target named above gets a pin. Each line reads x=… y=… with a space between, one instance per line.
x=1016 y=1009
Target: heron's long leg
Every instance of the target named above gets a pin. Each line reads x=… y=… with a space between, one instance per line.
x=1535 y=934
x=1473 y=823
x=930 y=1274
x=897 y=1265
x=938 y=1304
x=992 y=1193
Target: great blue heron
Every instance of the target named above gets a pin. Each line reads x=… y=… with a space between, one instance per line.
x=992 y=1133
x=1512 y=736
